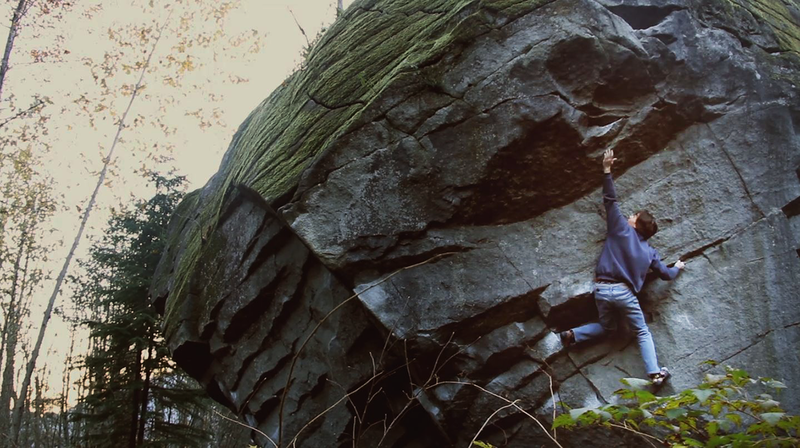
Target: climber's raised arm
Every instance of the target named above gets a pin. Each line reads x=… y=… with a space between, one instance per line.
x=616 y=220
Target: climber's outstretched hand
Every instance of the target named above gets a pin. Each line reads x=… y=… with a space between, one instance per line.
x=608 y=160
x=680 y=265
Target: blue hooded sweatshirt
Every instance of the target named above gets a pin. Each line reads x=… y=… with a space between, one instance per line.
x=626 y=256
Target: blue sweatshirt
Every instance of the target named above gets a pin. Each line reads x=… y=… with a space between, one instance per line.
x=626 y=256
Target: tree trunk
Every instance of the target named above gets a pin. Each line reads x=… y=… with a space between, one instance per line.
x=136 y=377
x=13 y=30
x=339 y=6
x=37 y=419
x=145 y=393
x=10 y=340
x=63 y=420
x=23 y=391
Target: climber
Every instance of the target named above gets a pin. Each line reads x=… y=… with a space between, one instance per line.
x=620 y=272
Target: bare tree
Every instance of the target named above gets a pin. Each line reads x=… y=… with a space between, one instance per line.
x=13 y=31
x=19 y=408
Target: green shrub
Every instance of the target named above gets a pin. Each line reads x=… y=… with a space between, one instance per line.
x=726 y=410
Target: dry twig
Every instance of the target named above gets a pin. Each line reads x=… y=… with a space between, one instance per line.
x=246 y=426
x=513 y=404
x=486 y=422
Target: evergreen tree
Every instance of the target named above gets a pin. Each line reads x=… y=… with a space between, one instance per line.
x=134 y=396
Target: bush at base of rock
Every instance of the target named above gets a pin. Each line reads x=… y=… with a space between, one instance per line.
x=730 y=409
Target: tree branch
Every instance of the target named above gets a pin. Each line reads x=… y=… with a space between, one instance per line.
x=308 y=44
x=39 y=103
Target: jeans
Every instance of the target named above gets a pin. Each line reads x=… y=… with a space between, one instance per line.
x=617 y=296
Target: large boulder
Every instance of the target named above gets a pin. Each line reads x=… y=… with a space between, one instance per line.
x=396 y=233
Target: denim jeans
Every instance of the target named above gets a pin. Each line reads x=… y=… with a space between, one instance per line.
x=617 y=296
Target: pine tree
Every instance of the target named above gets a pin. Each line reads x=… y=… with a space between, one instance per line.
x=135 y=395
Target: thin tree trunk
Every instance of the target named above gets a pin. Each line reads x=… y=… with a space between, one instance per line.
x=339 y=6
x=12 y=307
x=13 y=30
x=35 y=421
x=14 y=302
x=19 y=410
x=11 y=338
x=145 y=393
x=136 y=376
x=63 y=421
x=24 y=441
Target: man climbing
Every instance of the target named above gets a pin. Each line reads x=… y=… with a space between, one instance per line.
x=620 y=272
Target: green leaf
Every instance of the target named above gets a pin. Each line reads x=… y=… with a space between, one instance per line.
x=773 y=383
x=726 y=425
x=712 y=427
x=735 y=418
x=563 y=420
x=576 y=413
x=702 y=394
x=740 y=377
x=794 y=421
x=715 y=379
x=715 y=409
x=761 y=428
x=625 y=394
x=692 y=442
x=636 y=383
x=715 y=441
x=768 y=404
x=644 y=396
x=480 y=444
x=772 y=417
x=675 y=413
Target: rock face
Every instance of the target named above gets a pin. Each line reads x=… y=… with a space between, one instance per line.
x=395 y=234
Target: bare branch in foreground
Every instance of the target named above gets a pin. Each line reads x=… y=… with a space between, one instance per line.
x=512 y=403
x=246 y=426
x=486 y=422
x=319 y=324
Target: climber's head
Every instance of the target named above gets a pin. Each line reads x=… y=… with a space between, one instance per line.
x=644 y=223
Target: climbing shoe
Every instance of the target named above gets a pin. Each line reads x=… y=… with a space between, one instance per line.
x=659 y=378
x=567 y=338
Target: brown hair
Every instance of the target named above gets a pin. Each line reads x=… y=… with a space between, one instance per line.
x=646 y=224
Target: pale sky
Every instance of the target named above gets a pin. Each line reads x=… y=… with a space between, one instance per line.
x=78 y=148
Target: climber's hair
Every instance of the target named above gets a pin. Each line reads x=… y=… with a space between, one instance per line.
x=646 y=224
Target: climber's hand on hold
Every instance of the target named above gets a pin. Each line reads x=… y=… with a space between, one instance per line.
x=608 y=160
x=680 y=265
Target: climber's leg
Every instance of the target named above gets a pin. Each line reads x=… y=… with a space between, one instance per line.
x=603 y=292
x=629 y=305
